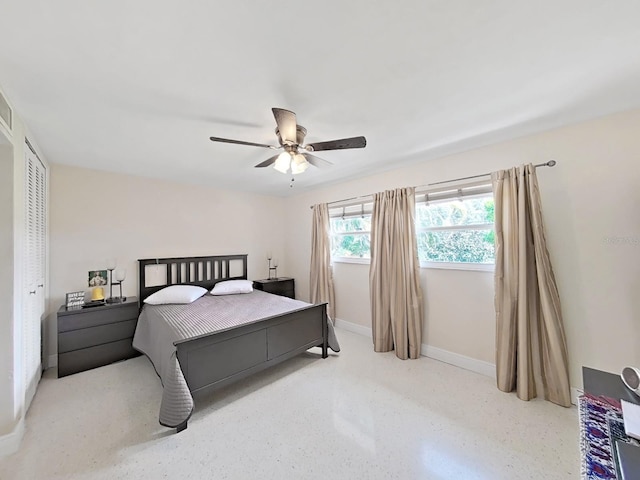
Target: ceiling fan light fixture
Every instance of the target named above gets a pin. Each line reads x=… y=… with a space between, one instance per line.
x=282 y=162
x=299 y=164
x=296 y=156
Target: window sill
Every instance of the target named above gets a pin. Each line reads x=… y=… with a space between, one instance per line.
x=361 y=261
x=478 y=267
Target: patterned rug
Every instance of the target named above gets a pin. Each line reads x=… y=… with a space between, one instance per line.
x=601 y=425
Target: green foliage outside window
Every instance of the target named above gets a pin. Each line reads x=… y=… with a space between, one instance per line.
x=351 y=246
x=346 y=241
x=454 y=243
x=466 y=246
x=458 y=231
x=355 y=224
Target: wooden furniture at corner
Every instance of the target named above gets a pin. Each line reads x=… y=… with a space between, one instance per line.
x=597 y=382
x=283 y=286
x=95 y=336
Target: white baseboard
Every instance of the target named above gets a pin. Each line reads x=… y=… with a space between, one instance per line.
x=10 y=443
x=479 y=366
x=53 y=361
x=354 y=327
x=468 y=363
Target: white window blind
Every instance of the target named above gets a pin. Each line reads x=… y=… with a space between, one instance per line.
x=443 y=194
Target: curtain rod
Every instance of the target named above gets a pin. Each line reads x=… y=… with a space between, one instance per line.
x=550 y=163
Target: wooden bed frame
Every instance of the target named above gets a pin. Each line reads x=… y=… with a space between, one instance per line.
x=215 y=360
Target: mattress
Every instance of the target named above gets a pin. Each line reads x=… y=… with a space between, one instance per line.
x=160 y=327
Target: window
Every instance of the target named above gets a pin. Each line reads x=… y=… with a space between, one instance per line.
x=456 y=231
x=351 y=233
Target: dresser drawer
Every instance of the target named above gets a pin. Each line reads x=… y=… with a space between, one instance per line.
x=96 y=336
x=90 y=337
x=92 y=317
x=87 y=358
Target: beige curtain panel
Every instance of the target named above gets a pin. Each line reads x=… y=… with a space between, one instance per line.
x=531 y=347
x=321 y=278
x=394 y=275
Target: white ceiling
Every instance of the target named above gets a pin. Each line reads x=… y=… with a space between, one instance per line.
x=139 y=86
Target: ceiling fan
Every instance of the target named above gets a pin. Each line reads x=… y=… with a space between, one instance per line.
x=296 y=155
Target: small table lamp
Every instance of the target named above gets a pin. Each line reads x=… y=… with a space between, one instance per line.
x=111 y=266
x=274 y=267
x=120 y=274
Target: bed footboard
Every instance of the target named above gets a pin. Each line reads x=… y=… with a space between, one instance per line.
x=213 y=361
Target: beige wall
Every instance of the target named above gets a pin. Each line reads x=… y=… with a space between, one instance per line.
x=591 y=201
x=352 y=304
x=97 y=215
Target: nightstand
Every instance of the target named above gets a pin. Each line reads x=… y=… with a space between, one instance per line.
x=95 y=336
x=283 y=286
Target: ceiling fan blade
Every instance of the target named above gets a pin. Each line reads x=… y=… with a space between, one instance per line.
x=287 y=124
x=316 y=161
x=354 y=142
x=241 y=142
x=268 y=162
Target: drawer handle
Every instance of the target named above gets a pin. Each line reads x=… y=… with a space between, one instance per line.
x=32 y=292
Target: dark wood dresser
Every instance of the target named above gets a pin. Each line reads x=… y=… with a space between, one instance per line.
x=95 y=336
x=283 y=286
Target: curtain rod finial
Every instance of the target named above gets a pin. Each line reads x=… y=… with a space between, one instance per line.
x=551 y=163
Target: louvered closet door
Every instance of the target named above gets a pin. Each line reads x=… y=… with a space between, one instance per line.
x=35 y=268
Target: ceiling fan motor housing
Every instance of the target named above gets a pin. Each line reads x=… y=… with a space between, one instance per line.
x=301 y=132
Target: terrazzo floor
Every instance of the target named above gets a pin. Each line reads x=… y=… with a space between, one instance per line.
x=354 y=415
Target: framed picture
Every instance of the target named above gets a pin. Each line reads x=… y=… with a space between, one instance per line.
x=75 y=299
x=97 y=278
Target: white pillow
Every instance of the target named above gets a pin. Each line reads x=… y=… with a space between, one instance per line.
x=230 y=287
x=176 y=294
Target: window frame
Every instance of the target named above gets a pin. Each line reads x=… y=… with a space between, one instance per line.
x=452 y=194
x=351 y=210
x=478 y=189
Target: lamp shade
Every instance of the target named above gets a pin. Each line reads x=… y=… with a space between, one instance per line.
x=120 y=274
x=299 y=164
x=282 y=162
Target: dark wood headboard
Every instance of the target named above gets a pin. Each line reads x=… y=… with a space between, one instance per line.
x=202 y=271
